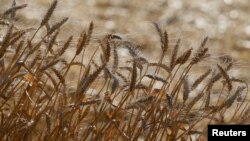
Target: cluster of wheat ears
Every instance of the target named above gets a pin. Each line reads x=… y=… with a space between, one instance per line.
x=39 y=102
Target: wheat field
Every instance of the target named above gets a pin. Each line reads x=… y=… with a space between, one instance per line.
x=100 y=80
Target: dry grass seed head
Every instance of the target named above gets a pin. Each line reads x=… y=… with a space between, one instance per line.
x=51 y=78
x=47 y=66
x=5 y=42
x=184 y=57
x=35 y=60
x=200 y=79
x=157 y=78
x=87 y=81
x=90 y=31
x=115 y=84
x=59 y=75
x=122 y=77
x=142 y=102
x=174 y=54
x=165 y=45
x=226 y=76
x=133 y=77
x=228 y=103
x=65 y=46
x=163 y=66
x=201 y=52
x=169 y=100
x=18 y=49
x=115 y=60
x=17 y=37
x=208 y=100
x=33 y=49
x=52 y=42
x=163 y=37
x=186 y=90
x=49 y=13
x=13 y=9
x=81 y=42
x=105 y=45
x=133 y=50
x=57 y=26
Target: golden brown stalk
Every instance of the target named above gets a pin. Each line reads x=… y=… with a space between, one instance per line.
x=49 y=13
x=226 y=76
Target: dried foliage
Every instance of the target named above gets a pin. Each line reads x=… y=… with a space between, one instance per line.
x=39 y=100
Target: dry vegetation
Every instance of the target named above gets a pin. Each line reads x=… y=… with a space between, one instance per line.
x=110 y=101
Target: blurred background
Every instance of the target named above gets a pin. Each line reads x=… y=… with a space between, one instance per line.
x=226 y=22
